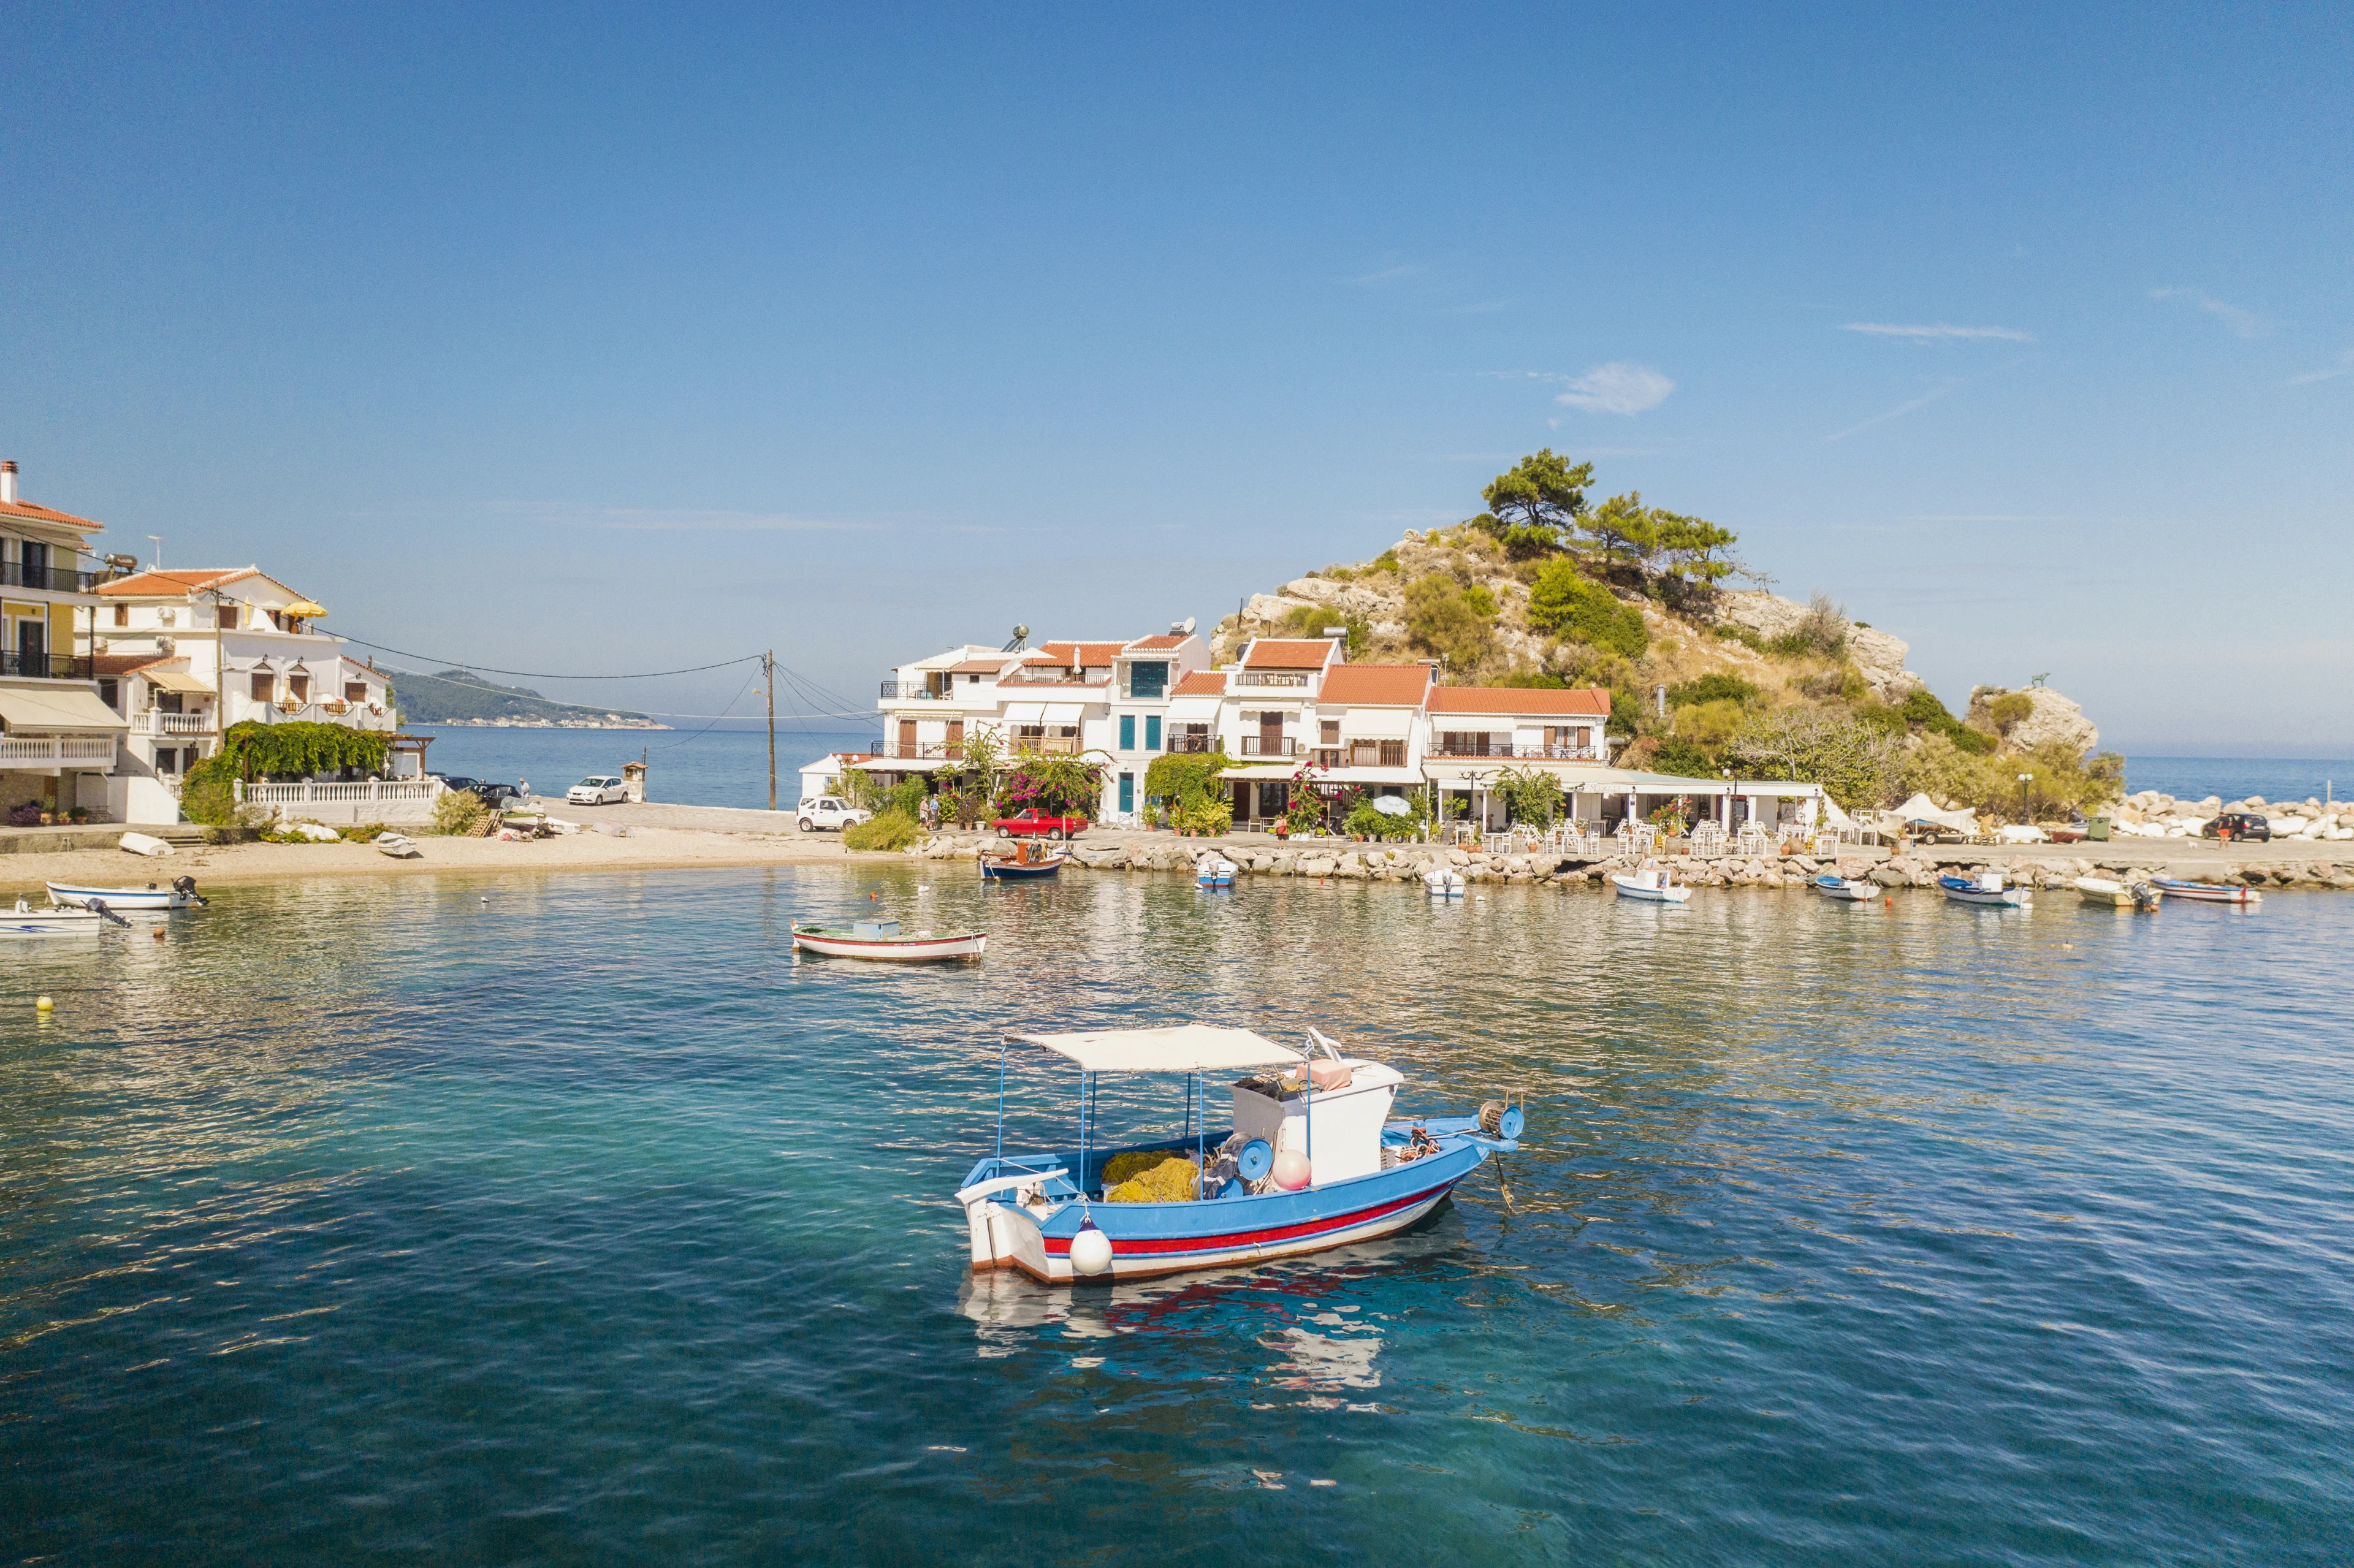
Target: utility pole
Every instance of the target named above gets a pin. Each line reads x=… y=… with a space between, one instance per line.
x=769 y=686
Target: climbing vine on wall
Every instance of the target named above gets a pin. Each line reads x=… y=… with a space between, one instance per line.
x=299 y=750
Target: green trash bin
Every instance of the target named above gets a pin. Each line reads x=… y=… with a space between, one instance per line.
x=2098 y=829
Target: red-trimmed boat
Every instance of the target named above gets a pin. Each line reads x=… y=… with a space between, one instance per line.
x=1313 y=1160
x=2208 y=892
x=881 y=940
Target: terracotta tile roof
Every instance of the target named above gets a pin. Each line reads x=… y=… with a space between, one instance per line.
x=1082 y=654
x=1201 y=683
x=172 y=584
x=1157 y=644
x=1278 y=654
x=33 y=513
x=1577 y=702
x=1396 y=685
x=979 y=666
x=125 y=664
x=1058 y=683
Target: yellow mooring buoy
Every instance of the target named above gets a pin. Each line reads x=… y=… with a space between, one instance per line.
x=44 y=1005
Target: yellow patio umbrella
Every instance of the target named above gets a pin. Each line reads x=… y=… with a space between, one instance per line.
x=304 y=610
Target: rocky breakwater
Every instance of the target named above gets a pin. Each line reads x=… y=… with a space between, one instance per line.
x=1917 y=866
x=2153 y=815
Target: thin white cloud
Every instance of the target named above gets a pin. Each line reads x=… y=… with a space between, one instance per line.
x=1617 y=387
x=1898 y=412
x=1386 y=274
x=1939 y=333
x=2243 y=323
x=2344 y=367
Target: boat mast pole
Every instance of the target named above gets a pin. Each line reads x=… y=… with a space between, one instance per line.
x=769 y=686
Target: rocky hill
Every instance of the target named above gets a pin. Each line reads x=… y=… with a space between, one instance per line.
x=456 y=697
x=1545 y=589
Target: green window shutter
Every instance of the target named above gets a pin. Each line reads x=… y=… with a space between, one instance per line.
x=1127 y=735
x=1152 y=732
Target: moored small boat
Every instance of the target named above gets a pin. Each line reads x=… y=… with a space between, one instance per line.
x=2118 y=894
x=399 y=846
x=1986 y=890
x=1651 y=883
x=1443 y=882
x=882 y=940
x=1313 y=1159
x=1031 y=860
x=1215 y=870
x=1846 y=887
x=2207 y=892
x=179 y=895
x=58 y=921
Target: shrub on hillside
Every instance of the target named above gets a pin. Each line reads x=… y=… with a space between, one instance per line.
x=1441 y=618
x=1924 y=712
x=1821 y=633
x=1856 y=763
x=886 y=831
x=1565 y=602
x=1713 y=688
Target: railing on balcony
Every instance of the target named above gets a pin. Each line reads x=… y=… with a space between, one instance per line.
x=155 y=721
x=1192 y=745
x=55 y=750
x=1048 y=744
x=916 y=692
x=928 y=752
x=351 y=716
x=1269 y=745
x=1461 y=745
x=56 y=579
x=46 y=666
x=373 y=791
x=1268 y=678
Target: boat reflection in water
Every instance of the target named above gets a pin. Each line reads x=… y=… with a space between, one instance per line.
x=1319 y=1336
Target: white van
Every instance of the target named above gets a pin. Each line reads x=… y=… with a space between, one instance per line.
x=825 y=811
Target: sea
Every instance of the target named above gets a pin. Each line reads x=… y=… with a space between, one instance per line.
x=730 y=767
x=539 y=1219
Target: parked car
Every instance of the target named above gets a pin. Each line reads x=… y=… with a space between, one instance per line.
x=456 y=780
x=496 y=796
x=1035 y=823
x=825 y=811
x=596 y=789
x=2240 y=825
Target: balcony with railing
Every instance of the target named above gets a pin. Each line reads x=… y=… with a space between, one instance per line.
x=155 y=721
x=926 y=751
x=46 y=666
x=1270 y=746
x=95 y=752
x=1265 y=678
x=1048 y=744
x=54 y=580
x=1192 y=745
x=1502 y=747
x=290 y=710
x=917 y=692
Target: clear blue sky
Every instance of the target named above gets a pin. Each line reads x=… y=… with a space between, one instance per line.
x=601 y=339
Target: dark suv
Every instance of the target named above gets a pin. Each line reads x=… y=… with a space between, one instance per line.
x=2239 y=825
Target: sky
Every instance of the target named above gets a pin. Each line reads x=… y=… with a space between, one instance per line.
x=602 y=340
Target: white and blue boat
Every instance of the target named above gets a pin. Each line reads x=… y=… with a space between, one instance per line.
x=1313 y=1159
x=1215 y=870
x=1651 y=884
x=1984 y=890
x=1849 y=887
x=58 y=920
x=179 y=894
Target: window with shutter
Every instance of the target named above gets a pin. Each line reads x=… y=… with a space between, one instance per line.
x=1152 y=732
x=1127 y=735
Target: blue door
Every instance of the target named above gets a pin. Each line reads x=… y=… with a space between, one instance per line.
x=1127 y=792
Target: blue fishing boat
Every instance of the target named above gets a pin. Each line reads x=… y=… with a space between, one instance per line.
x=1032 y=861
x=1215 y=870
x=1984 y=890
x=1312 y=1159
x=1855 y=888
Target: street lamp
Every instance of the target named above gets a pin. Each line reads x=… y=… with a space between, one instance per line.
x=2025 y=811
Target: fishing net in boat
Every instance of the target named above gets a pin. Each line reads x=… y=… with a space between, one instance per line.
x=1150 y=1176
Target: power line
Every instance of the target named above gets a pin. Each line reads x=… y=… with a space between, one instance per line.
x=542 y=674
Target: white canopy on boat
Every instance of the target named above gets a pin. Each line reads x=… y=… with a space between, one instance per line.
x=1921 y=809
x=1181 y=1048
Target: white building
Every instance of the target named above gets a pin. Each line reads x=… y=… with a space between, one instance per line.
x=184 y=654
x=60 y=741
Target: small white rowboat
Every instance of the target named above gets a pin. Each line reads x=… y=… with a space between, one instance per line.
x=2118 y=894
x=179 y=895
x=27 y=921
x=881 y=940
x=1653 y=884
x=2207 y=892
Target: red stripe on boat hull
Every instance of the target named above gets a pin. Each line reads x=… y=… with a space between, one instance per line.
x=1150 y=1246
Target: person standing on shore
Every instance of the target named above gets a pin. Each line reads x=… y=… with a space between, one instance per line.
x=523 y=787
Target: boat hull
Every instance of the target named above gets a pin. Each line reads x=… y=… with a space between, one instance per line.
x=894 y=949
x=1841 y=888
x=77 y=897
x=1627 y=887
x=1151 y=1240
x=1014 y=871
x=1979 y=897
x=2207 y=892
x=2116 y=894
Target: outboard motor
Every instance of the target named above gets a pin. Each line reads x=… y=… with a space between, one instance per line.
x=187 y=888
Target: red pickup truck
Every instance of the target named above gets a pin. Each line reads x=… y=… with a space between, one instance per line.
x=1035 y=823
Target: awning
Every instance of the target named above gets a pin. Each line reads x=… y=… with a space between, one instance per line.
x=63 y=709
x=1367 y=776
x=1185 y=1048
x=1025 y=712
x=1377 y=723
x=1063 y=713
x=1246 y=771
x=903 y=764
x=1193 y=710
x=175 y=680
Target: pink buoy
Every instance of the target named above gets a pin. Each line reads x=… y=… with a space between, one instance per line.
x=1291 y=1170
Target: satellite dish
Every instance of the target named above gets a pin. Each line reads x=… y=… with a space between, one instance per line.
x=1189 y=624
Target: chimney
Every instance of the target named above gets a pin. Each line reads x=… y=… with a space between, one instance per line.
x=8 y=482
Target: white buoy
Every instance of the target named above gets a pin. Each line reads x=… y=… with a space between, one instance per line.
x=1090 y=1250
x=1291 y=1170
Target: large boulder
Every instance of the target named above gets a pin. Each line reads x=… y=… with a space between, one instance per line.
x=2051 y=717
x=1879 y=657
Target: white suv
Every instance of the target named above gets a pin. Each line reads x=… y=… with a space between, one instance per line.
x=828 y=812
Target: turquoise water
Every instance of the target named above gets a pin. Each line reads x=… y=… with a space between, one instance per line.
x=560 y=1220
